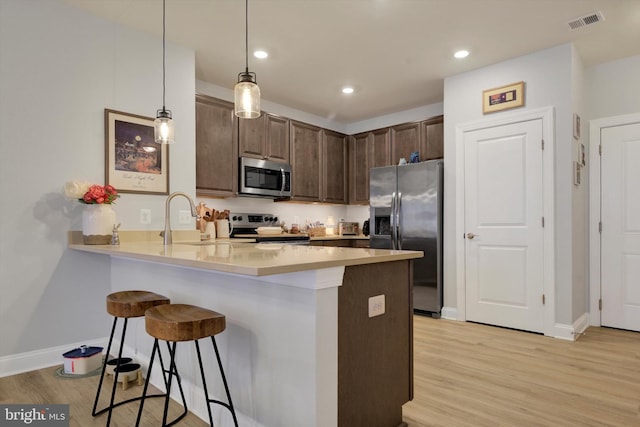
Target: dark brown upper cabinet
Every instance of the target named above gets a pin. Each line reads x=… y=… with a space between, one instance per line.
x=266 y=137
x=216 y=148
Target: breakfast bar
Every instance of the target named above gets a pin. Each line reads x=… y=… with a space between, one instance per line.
x=316 y=336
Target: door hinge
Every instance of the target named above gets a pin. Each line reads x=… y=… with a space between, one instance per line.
x=542 y=222
x=543 y=300
x=600 y=304
x=600 y=149
x=600 y=227
x=542 y=144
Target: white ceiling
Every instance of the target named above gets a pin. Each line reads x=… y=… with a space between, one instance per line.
x=396 y=53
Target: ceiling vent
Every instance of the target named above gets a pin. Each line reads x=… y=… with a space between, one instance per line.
x=583 y=21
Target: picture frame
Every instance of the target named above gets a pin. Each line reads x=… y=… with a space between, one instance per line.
x=576 y=126
x=576 y=173
x=503 y=98
x=134 y=162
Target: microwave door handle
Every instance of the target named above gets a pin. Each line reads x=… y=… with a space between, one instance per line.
x=283 y=176
x=399 y=221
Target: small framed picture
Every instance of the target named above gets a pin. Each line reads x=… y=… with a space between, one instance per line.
x=134 y=162
x=503 y=98
x=576 y=126
x=576 y=173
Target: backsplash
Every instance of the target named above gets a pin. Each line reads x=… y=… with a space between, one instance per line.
x=287 y=211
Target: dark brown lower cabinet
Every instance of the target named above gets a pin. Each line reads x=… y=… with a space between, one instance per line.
x=375 y=354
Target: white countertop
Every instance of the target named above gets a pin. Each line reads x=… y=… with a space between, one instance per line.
x=240 y=256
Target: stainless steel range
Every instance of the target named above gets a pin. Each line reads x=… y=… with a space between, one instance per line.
x=246 y=225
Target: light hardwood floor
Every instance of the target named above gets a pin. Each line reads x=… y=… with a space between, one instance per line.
x=44 y=387
x=465 y=375
x=468 y=374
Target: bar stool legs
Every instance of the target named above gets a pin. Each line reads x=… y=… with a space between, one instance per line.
x=173 y=372
x=182 y=322
x=229 y=405
x=112 y=404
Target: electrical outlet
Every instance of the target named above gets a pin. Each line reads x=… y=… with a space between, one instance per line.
x=185 y=217
x=145 y=216
x=376 y=305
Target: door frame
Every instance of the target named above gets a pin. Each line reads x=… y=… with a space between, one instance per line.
x=546 y=114
x=595 y=191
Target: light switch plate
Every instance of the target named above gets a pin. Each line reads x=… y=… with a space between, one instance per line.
x=185 y=217
x=376 y=305
x=145 y=216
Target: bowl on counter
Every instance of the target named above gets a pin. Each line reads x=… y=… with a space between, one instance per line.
x=269 y=230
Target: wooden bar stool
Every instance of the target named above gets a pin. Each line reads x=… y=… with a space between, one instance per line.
x=125 y=305
x=182 y=322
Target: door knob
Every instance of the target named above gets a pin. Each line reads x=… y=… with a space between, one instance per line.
x=470 y=236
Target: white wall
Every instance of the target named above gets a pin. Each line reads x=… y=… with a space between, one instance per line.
x=59 y=69
x=580 y=199
x=547 y=75
x=612 y=88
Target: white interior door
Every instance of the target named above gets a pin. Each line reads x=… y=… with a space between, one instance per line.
x=620 y=216
x=504 y=262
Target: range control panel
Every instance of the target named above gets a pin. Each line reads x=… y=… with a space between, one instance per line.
x=252 y=220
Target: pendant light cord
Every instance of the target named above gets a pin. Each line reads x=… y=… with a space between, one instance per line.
x=246 y=35
x=164 y=5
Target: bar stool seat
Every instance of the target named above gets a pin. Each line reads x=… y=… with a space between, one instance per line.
x=129 y=304
x=182 y=322
x=124 y=305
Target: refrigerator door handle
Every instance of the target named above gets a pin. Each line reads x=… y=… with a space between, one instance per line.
x=392 y=220
x=398 y=222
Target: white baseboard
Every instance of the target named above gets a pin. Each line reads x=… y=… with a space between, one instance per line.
x=38 y=359
x=573 y=331
x=450 y=313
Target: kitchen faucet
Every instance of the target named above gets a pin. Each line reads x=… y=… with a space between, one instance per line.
x=167 y=215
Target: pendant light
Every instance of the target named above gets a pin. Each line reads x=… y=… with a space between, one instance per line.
x=163 y=125
x=247 y=92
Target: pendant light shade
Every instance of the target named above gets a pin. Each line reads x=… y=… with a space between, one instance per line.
x=163 y=125
x=247 y=92
x=163 y=128
x=247 y=96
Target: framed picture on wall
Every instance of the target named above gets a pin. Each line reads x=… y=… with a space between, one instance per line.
x=134 y=162
x=503 y=98
x=576 y=126
x=576 y=173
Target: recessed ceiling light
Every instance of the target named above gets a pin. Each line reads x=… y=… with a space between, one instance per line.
x=461 y=54
x=261 y=54
x=347 y=89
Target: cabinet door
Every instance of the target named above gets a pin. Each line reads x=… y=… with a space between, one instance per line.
x=216 y=148
x=381 y=148
x=251 y=137
x=305 y=151
x=432 y=142
x=360 y=155
x=334 y=167
x=405 y=139
x=277 y=138
x=360 y=243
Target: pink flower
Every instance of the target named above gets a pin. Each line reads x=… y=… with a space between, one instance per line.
x=94 y=194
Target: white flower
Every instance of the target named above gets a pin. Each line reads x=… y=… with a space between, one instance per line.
x=74 y=190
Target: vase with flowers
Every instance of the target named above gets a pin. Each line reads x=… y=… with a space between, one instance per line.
x=98 y=216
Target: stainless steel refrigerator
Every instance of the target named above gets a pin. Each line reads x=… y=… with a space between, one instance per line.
x=406 y=213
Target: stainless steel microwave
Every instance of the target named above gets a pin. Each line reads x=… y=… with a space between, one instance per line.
x=264 y=178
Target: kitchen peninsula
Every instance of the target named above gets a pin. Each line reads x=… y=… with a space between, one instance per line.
x=304 y=344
